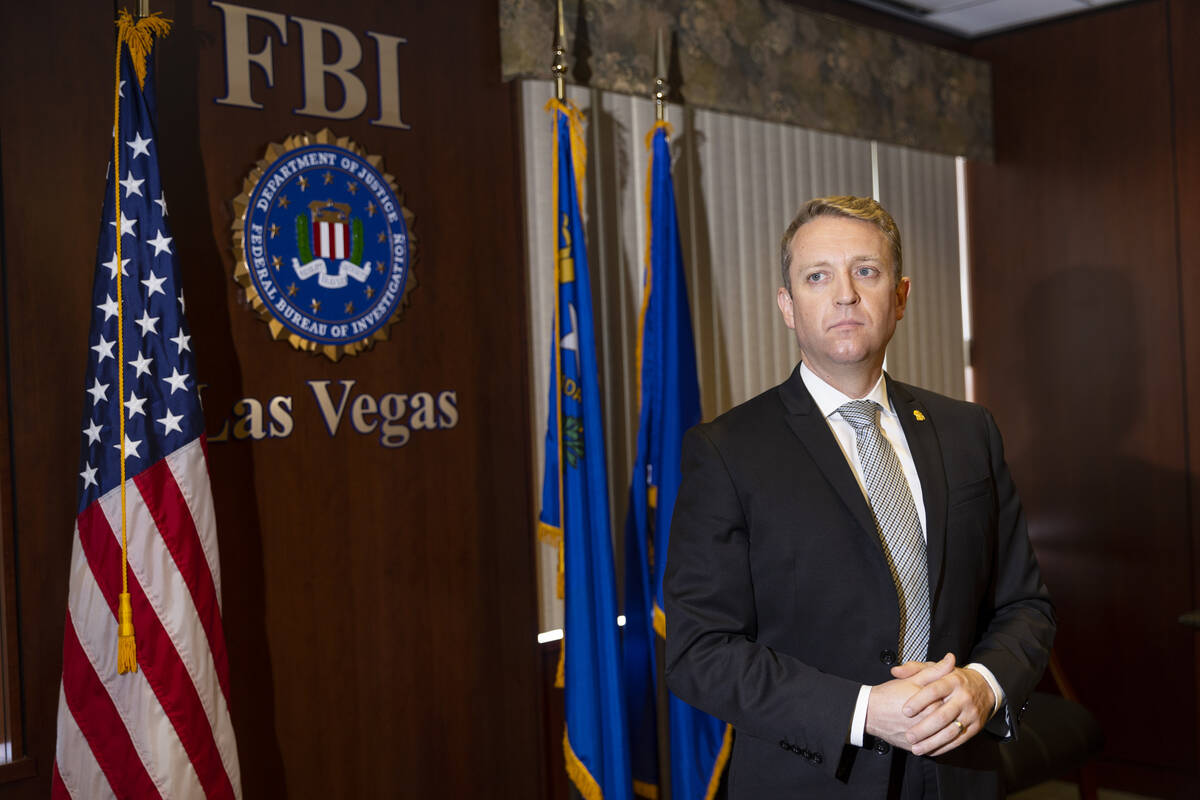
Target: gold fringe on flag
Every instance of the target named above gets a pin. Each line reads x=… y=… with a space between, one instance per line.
x=714 y=782
x=575 y=119
x=578 y=772
x=138 y=35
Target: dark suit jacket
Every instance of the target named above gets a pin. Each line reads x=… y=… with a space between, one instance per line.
x=779 y=602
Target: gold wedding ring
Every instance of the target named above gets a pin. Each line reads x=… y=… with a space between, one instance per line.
x=961 y=727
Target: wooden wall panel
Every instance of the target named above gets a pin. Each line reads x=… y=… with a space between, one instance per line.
x=1076 y=302
x=53 y=164
x=1184 y=21
x=379 y=603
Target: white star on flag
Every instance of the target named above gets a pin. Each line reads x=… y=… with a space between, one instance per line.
x=131 y=447
x=132 y=185
x=112 y=265
x=138 y=145
x=162 y=202
x=89 y=476
x=109 y=307
x=104 y=347
x=153 y=285
x=160 y=243
x=170 y=422
x=93 y=432
x=147 y=323
x=181 y=341
x=141 y=364
x=126 y=225
x=99 y=391
x=177 y=380
x=135 y=405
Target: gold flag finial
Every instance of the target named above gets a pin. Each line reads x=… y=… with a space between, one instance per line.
x=559 y=66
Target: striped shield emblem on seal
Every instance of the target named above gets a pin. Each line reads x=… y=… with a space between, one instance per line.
x=330 y=229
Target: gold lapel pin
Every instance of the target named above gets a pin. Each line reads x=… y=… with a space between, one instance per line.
x=919 y=416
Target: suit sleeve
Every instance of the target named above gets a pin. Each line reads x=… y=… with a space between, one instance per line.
x=713 y=660
x=1016 y=642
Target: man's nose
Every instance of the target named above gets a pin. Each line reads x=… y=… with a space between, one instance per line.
x=846 y=293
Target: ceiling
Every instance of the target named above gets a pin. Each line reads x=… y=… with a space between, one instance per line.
x=973 y=18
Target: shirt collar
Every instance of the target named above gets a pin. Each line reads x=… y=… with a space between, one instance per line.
x=829 y=399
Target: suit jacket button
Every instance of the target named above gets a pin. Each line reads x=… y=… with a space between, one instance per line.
x=882 y=747
x=888 y=657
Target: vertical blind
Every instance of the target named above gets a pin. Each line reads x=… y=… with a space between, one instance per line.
x=738 y=183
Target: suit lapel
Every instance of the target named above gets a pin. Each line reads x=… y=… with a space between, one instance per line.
x=810 y=427
x=922 y=439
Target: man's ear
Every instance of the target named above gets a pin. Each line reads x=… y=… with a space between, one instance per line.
x=902 y=289
x=784 y=298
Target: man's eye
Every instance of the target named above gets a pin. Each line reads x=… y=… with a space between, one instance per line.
x=867 y=272
x=815 y=277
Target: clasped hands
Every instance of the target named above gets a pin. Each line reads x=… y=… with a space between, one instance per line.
x=929 y=708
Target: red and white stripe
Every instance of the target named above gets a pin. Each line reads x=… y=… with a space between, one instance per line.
x=332 y=239
x=165 y=730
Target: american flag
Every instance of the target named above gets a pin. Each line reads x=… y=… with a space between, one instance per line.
x=163 y=730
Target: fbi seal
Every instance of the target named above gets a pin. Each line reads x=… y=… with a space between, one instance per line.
x=324 y=245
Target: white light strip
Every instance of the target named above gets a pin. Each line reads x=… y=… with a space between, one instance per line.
x=964 y=274
x=875 y=170
x=557 y=633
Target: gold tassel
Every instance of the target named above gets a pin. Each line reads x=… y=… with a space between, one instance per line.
x=126 y=646
x=139 y=36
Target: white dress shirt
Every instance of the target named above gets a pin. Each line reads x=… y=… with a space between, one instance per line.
x=829 y=400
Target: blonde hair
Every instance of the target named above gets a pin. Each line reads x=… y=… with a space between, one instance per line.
x=864 y=209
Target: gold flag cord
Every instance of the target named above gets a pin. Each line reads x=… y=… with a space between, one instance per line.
x=139 y=37
x=126 y=646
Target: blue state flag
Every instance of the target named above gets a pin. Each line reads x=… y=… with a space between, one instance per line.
x=575 y=500
x=669 y=398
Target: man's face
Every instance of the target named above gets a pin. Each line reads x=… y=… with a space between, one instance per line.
x=844 y=302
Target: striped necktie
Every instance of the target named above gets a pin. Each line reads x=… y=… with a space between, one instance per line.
x=897 y=522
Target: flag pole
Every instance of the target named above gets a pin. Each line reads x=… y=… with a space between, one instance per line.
x=143 y=8
x=559 y=67
x=660 y=78
x=662 y=702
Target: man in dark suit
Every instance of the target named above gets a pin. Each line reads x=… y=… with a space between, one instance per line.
x=833 y=535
